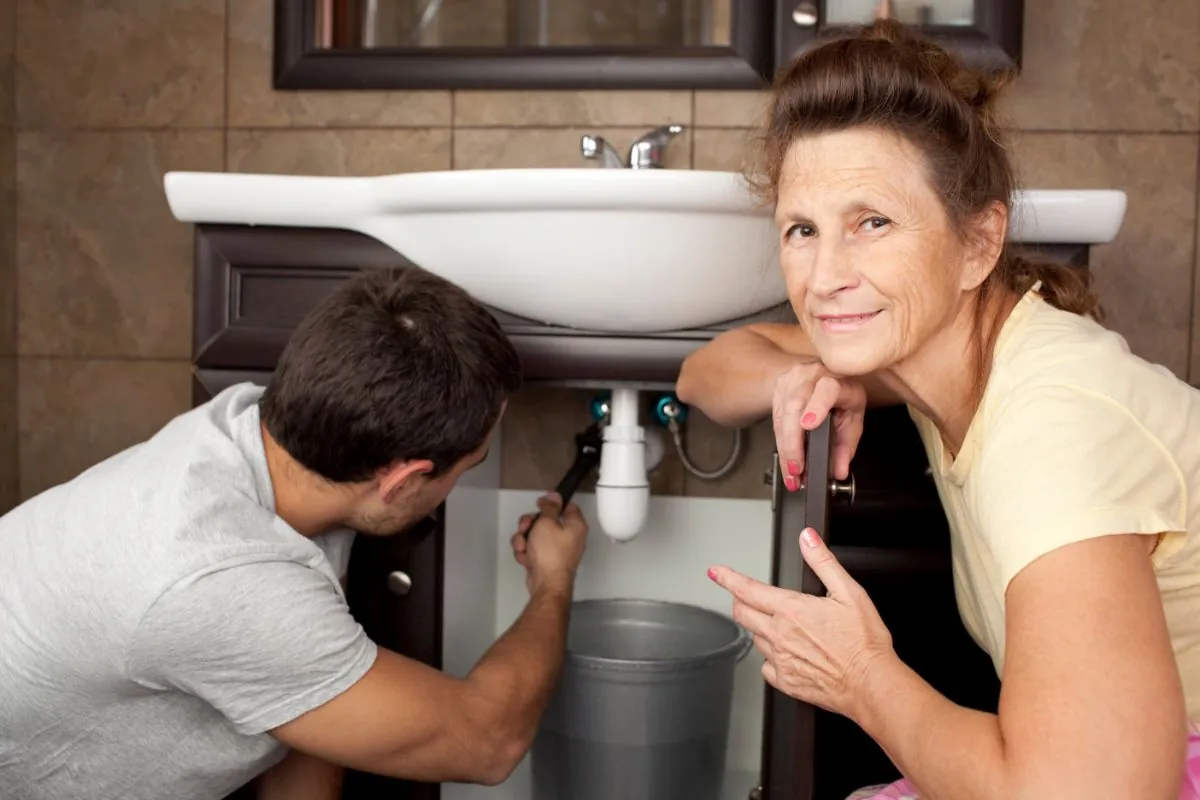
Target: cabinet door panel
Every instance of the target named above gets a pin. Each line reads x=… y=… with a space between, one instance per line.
x=789 y=725
x=409 y=623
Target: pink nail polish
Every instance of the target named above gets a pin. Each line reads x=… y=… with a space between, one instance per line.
x=789 y=483
x=793 y=468
x=712 y=573
x=808 y=419
x=810 y=538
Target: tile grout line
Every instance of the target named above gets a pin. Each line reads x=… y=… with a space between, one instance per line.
x=1193 y=373
x=225 y=116
x=16 y=303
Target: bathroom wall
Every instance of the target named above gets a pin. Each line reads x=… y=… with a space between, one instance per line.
x=8 y=272
x=113 y=93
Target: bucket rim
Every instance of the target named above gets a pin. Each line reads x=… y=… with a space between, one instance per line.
x=738 y=647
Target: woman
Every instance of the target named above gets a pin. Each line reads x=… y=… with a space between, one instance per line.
x=1068 y=468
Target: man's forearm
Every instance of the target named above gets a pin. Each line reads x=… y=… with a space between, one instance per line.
x=515 y=679
x=301 y=777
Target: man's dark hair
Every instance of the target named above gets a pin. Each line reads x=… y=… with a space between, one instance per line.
x=396 y=364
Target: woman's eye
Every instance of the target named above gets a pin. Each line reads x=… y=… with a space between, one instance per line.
x=875 y=223
x=803 y=231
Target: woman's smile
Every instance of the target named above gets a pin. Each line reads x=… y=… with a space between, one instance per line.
x=845 y=323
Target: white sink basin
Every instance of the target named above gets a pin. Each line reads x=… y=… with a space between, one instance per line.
x=612 y=250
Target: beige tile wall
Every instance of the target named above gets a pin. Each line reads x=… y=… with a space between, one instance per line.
x=113 y=93
x=8 y=271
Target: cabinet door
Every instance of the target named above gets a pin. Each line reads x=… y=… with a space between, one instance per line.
x=789 y=726
x=887 y=528
x=986 y=33
x=395 y=592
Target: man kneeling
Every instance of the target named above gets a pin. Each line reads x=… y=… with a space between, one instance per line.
x=172 y=621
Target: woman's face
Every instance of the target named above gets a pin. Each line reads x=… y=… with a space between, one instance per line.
x=872 y=264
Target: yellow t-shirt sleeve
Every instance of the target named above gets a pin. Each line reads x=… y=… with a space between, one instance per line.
x=1063 y=464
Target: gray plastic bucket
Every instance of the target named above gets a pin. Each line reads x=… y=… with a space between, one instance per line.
x=642 y=709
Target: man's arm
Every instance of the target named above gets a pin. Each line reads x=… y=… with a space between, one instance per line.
x=732 y=378
x=406 y=719
x=301 y=776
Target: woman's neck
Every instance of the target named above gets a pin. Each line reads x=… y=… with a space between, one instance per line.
x=949 y=397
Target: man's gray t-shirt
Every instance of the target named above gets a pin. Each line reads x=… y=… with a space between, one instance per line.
x=157 y=619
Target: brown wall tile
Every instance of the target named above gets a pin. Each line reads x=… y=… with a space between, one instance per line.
x=103 y=269
x=545 y=109
x=339 y=152
x=8 y=66
x=8 y=243
x=1194 y=374
x=253 y=102
x=1145 y=276
x=741 y=109
x=121 y=63
x=489 y=148
x=725 y=149
x=708 y=447
x=8 y=434
x=538 y=441
x=1110 y=65
x=75 y=413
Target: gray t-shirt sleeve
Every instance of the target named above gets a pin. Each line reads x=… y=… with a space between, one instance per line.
x=262 y=643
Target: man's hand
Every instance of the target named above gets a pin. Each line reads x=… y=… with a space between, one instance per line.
x=552 y=550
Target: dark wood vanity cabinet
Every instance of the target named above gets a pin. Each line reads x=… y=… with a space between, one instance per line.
x=254 y=284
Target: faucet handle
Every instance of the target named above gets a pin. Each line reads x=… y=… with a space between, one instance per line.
x=647 y=150
x=597 y=148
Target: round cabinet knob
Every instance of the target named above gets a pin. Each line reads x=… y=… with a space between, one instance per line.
x=399 y=583
x=755 y=794
x=843 y=488
x=805 y=15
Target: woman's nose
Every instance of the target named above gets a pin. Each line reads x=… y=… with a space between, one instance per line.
x=831 y=271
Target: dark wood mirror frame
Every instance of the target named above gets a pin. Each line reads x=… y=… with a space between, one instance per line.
x=764 y=38
x=992 y=42
x=299 y=64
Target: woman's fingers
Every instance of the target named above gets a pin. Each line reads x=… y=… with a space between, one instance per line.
x=847 y=426
x=751 y=618
x=825 y=565
x=763 y=645
x=769 y=674
x=755 y=594
x=789 y=437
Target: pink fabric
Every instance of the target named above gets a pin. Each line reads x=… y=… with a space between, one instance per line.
x=1189 y=789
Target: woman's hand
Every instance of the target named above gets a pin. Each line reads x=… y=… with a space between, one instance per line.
x=817 y=649
x=804 y=396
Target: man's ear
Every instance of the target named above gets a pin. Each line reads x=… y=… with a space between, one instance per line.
x=989 y=230
x=394 y=478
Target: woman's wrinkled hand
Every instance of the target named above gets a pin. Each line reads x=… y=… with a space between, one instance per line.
x=817 y=649
x=804 y=396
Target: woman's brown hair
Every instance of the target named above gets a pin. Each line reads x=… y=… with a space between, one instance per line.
x=890 y=77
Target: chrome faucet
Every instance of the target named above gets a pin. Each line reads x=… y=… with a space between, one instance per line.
x=597 y=147
x=645 y=153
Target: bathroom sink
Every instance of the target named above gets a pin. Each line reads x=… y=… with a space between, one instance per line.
x=606 y=250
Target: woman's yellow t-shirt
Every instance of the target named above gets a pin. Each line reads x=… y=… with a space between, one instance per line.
x=1075 y=438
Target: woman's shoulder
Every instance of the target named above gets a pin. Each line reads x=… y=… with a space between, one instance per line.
x=1053 y=351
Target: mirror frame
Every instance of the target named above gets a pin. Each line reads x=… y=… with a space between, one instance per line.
x=747 y=64
x=992 y=43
